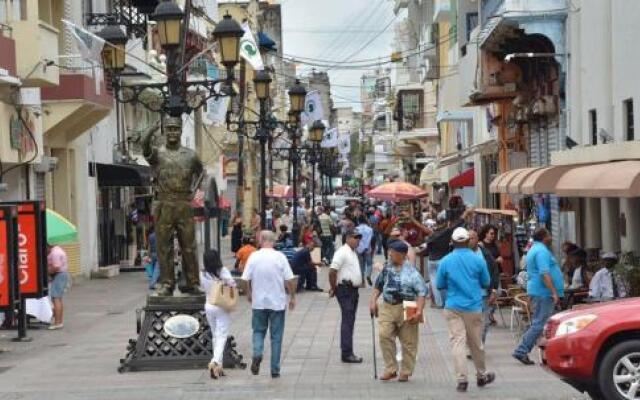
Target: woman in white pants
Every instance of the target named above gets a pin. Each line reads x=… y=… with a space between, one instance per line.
x=219 y=319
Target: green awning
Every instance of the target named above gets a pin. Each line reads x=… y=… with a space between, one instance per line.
x=59 y=229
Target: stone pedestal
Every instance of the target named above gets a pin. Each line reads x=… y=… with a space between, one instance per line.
x=156 y=349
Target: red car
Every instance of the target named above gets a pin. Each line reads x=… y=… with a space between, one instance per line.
x=596 y=349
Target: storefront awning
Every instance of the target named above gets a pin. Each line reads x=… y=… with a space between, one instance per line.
x=119 y=175
x=464 y=179
x=500 y=182
x=514 y=185
x=543 y=180
x=613 y=179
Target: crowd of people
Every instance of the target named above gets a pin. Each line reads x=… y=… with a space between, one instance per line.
x=463 y=276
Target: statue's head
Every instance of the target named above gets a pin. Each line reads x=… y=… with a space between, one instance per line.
x=173 y=130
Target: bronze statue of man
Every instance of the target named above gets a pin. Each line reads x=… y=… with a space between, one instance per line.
x=177 y=172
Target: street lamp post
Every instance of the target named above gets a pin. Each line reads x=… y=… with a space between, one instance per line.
x=297 y=96
x=262 y=80
x=316 y=133
x=176 y=95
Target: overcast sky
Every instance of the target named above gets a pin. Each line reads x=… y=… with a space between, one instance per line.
x=334 y=30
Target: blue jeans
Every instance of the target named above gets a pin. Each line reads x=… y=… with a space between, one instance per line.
x=366 y=264
x=328 y=247
x=438 y=295
x=274 y=320
x=379 y=239
x=155 y=275
x=543 y=308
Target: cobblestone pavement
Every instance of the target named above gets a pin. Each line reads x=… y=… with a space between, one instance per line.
x=80 y=361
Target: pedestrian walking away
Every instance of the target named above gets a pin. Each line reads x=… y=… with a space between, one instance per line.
x=327 y=236
x=58 y=269
x=398 y=283
x=219 y=319
x=464 y=275
x=266 y=273
x=364 y=250
x=344 y=279
x=489 y=295
x=545 y=287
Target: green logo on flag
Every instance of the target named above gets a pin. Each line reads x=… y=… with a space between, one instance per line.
x=249 y=47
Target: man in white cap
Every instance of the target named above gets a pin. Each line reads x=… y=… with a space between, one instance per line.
x=464 y=275
x=604 y=284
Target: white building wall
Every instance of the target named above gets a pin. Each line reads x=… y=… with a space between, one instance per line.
x=590 y=48
x=625 y=54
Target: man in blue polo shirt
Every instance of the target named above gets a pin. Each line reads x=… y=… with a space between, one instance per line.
x=464 y=275
x=545 y=287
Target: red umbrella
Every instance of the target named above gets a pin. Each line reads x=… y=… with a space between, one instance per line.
x=397 y=191
x=281 y=192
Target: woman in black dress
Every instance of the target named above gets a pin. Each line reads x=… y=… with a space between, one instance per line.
x=236 y=233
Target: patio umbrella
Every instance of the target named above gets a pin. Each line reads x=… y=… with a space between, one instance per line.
x=281 y=192
x=59 y=229
x=397 y=191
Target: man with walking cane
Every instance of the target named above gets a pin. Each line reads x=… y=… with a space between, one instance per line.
x=403 y=292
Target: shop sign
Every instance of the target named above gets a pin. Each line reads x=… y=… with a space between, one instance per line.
x=8 y=292
x=32 y=249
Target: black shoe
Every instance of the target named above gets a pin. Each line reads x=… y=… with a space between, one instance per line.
x=523 y=359
x=369 y=281
x=462 y=386
x=315 y=289
x=352 y=359
x=255 y=365
x=486 y=379
x=275 y=375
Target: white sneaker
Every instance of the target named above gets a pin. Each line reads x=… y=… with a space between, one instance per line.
x=55 y=327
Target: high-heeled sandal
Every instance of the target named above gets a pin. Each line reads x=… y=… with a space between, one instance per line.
x=219 y=370
x=213 y=370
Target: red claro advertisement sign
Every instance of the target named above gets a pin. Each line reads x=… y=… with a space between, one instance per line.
x=5 y=288
x=27 y=251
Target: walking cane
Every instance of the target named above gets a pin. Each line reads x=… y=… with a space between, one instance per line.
x=373 y=336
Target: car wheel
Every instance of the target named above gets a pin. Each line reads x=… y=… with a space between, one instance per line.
x=619 y=374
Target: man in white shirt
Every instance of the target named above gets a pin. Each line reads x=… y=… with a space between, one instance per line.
x=266 y=272
x=345 y=278
x=604 y=285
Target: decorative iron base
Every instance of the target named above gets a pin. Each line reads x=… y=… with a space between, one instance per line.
x=156 y=350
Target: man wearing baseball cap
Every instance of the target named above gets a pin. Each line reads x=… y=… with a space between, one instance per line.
x=464 y=275
x=345 y=278
x=398 y=282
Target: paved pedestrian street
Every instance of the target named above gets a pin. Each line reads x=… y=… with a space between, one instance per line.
x=80 y=361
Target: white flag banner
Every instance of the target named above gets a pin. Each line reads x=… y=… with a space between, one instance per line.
x=344 y=143
x=330 y=138
x=89 y=45
x=249 y=49
x=313 y=110
x=217 y=110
